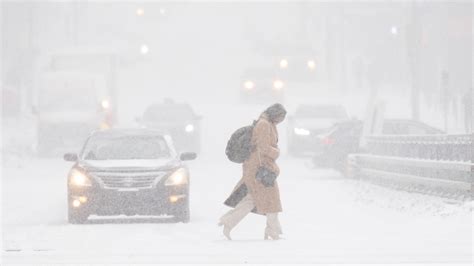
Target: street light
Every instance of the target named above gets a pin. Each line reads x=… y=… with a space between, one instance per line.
x=394 y=30
x=278 y=84
x=162 y=11
x=249 y=85
x=311 y=64
x=105 y=104
x=144 y=49
x=140 y=12
x=283 y=63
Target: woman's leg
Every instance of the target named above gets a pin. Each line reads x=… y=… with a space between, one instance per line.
x=273 y=228
x=234 y=216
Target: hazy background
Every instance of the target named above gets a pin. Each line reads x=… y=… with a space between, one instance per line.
x=414 y=56
x=197 y=51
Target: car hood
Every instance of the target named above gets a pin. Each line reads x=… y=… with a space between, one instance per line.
x=117 y=165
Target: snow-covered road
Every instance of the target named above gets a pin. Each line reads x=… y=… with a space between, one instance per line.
x=326 y=219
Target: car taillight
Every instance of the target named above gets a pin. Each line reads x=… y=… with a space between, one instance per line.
x=328 y=141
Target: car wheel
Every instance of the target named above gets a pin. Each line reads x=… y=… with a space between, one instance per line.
x=77 y=217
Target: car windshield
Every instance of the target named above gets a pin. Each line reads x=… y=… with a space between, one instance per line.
x=321 y=112
x=126 y=148
x=348 y=128
x=168 y=112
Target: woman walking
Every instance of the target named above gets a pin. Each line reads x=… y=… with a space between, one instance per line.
x=257 y=191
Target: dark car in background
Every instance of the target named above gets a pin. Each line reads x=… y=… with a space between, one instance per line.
x=344 y=138
x=307 y=122
x=177 y=120
x=130 y=172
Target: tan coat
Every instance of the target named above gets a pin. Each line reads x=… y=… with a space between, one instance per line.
x=265 y=139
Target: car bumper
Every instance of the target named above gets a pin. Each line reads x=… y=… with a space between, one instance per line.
x=157 y=201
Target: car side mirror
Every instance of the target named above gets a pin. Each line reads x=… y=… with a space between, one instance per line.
x=187 y=156
x=70 y=157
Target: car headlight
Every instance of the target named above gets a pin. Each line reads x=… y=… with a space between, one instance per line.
x=104 y=125
x=301 y=131
x=105 y=104
x=189 y=128
x=249 y=85
x=179 y=177
x=278 y=84
x=283 y=63
x=78 y=178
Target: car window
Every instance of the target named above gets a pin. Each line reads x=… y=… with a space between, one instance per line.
x=347 y=130
x=417 y=130
x=422 y=129
x=395 y=128
x=126 y=148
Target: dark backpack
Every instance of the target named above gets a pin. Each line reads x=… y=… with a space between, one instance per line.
x=239 y=147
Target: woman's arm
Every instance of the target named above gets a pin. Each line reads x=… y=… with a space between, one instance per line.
x=263 y=139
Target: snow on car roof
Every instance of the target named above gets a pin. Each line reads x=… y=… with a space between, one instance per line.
x=123 y=132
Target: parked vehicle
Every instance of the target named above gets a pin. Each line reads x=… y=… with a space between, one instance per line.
x=102 y=62
x=344 y=138
x=307 y=122
x=69 y=106
x=76 y=94
x=335 y=144
x=177 y=120
x=128 y=171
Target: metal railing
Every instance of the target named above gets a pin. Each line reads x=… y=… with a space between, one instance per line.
x=438 y=164
x=432 y=147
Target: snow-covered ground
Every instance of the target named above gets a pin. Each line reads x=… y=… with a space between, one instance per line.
x=326 y=219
